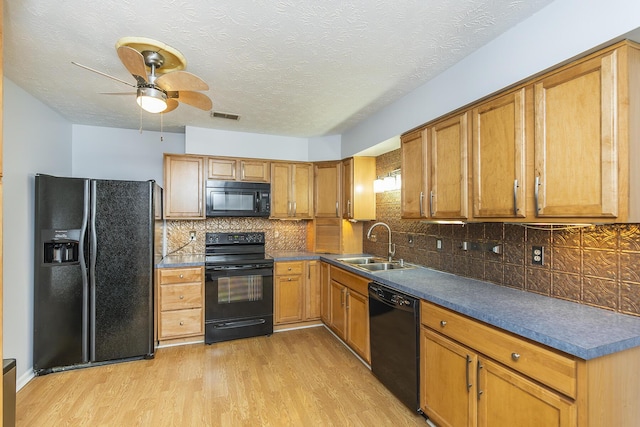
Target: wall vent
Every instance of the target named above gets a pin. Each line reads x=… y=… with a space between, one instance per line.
x=221 y=115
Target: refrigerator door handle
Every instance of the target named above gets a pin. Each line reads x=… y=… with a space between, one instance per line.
x=83 y=267
x=93 y=246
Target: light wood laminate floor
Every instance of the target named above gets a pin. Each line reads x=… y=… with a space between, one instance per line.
x=296 y=378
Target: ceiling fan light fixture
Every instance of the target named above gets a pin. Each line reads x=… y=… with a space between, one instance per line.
x=152 y=100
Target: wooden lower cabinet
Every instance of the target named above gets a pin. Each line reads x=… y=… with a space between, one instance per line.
x=474 y=374
x=296 y=292
x=349 y=310
x=180 y=304
x=461 y=388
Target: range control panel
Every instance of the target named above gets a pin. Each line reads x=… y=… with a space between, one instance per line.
x=234 y=238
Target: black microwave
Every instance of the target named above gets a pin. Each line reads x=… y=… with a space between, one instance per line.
x=232 y=198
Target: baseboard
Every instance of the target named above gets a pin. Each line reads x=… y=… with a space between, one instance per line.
x=24 y=379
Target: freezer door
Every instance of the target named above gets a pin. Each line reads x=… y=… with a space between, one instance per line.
x=121 y=270
x=60 y=286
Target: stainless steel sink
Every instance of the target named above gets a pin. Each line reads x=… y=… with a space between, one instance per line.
x=362 y=260
x=374 y=263
x=378 y=266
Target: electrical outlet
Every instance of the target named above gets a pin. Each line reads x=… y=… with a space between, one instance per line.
x=192 y=235
x=373 y=238
x=439 y=244
x=410 y=239
x=537 y=255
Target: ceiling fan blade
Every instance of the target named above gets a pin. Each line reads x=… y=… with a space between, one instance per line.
x=134 y=63
x=181 y=80
x=172 y=104
x=195 y=99
x=103 y=74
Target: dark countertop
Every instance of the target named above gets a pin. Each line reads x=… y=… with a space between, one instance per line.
x=580 y=330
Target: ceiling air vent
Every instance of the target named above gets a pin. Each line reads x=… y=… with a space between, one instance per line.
x=221 y=115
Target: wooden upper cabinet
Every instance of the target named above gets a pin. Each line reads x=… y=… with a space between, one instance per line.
x=577 y=140
x=448 y=176
x=500 y=128
x=358 y=198
x=327 y=189
x=229 y=169
x=414 y=178
x=291 y=190
x=184 y=187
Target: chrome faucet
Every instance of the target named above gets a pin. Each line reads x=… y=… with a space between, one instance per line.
x=392 y=246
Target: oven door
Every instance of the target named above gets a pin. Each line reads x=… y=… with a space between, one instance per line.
x=238 y=302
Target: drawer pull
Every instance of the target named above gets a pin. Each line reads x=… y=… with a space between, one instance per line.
x=443 y=323
x=181 y=323
x=182 y=276
x=289 y=269
x=289 y=279
x=515 y=357
x=181 y=296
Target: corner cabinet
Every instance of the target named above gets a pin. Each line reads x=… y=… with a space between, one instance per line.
x=184 y=187
x=437 y=187
x=358 y=198
x=296 y=292
x=291 y=190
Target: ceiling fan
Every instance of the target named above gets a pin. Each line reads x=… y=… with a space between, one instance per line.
x=158 y=91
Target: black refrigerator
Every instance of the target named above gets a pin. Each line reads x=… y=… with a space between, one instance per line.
x=95 y=245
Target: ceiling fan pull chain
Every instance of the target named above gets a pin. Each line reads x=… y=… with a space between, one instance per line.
x=161 y=127
x=140 y=120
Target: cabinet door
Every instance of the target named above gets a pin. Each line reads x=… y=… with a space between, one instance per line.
x=447 y=381
x=576 y=141
x=280 y=182
x=499 y=133
x=347 y=188
x=414 y=179
x=313 y=291
x=302 y=190
x=338 y=297
x=327 y=190
x=508 y=399
x=325 y=297
x=255 y=171
x=448 y=159
x=358 y=324
x=183 y=181
x=222 y=169
x=288 y=299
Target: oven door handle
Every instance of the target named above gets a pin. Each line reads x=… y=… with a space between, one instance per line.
x=239 y=324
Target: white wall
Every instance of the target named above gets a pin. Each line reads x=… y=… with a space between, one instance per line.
x=242 y=144
x=111 y=153
x=562 y=30
x=36 y=140
x=325 y=148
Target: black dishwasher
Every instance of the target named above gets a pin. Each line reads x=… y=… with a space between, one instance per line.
x=394 y=338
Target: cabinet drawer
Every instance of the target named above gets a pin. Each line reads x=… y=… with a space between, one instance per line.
x=181 y=323
x=180 y=275
x=289 y=268
x=548 y=366
x=179 y=296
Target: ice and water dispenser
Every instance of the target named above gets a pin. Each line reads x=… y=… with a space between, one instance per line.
x=60 y=246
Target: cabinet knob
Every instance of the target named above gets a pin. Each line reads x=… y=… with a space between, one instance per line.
x=181 y=276
x=289 y=269
x=181 y=296
x=289 y=279
x=181 y=323
x=515 y=357
x=443 y=323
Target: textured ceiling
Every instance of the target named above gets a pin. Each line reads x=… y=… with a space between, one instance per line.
x=290 y=67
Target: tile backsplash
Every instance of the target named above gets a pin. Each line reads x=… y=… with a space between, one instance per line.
x=279 y=235
x=596 y=265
